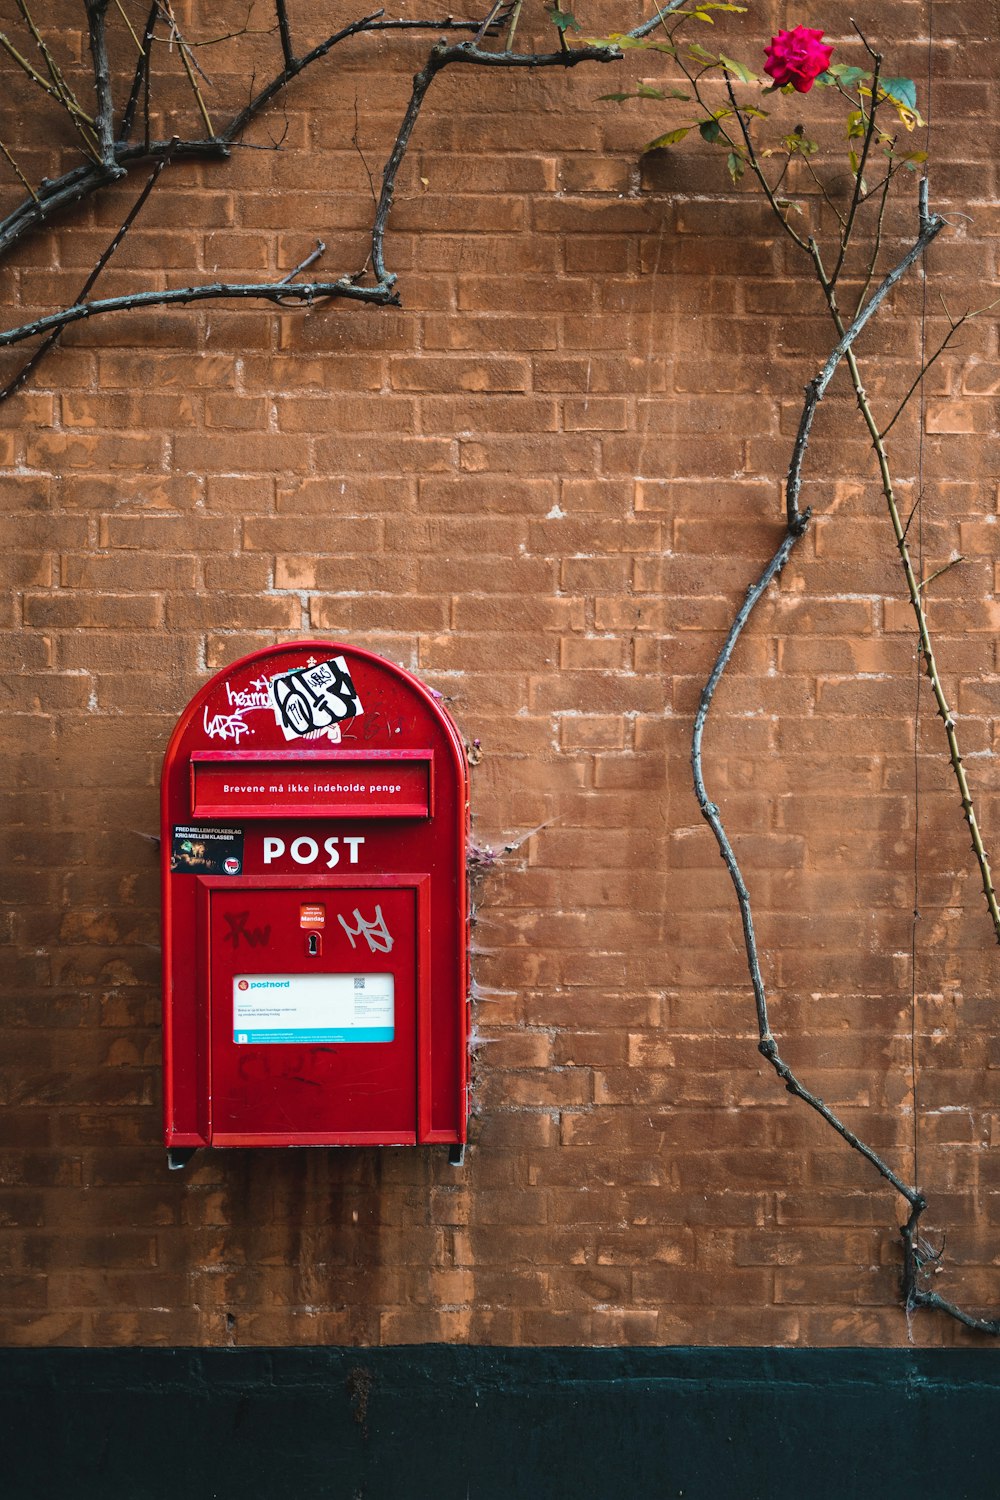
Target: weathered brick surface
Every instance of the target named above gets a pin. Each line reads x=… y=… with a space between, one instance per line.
x=544 y=485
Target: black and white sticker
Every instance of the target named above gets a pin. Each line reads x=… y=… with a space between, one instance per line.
x=314 y=698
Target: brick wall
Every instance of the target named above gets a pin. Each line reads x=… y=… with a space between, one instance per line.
x=543 y=485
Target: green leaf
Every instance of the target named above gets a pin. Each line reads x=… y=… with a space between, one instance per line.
x=709 y=130
x=737 y=69
x=564 y=20
x=799 y=142
x=700 y=53
x=844 y=74
x=644 y=91
x=619 y=39
x=903 y=90
x=736 y=165
x=670 y=139
x=626 y=43
x=855 y=125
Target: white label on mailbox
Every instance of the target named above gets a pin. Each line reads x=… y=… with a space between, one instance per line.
x=313 y=1008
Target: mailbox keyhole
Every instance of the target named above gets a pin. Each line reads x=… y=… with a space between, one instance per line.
x=313 y=944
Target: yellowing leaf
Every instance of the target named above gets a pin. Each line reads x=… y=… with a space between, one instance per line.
x=670 y=139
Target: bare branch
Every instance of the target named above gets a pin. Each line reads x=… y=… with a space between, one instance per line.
x=57 y=194
x=141 y=71
x=662 y=11
x=104 y=118
x=767 y=1044
x=440 y=57
x=285 y=32
x=852 y=212
x=303 y=265
x=52 y=337
x=916 y=1294
x=306 y=291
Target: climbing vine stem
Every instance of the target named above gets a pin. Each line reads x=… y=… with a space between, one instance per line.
x=795 y=61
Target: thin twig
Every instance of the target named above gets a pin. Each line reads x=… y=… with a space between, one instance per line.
x=758 y=170
x=876 y=244
x=956 y=325
x=303 y=265
x=81 y=121
x=951 y=563
x=119 y=7
x=20 y=175
x=141 y=74
x=188 y=63
x=852 y=212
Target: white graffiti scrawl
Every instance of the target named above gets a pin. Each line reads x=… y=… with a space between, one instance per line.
x=376 y=933
x=314 y=698
x=226 y=726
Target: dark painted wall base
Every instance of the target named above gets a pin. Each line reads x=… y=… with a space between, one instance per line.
x=455 y=1423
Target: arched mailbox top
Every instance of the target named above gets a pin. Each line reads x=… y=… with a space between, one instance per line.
x=314 y=728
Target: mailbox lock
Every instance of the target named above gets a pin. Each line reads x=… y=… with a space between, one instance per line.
x=314 y=944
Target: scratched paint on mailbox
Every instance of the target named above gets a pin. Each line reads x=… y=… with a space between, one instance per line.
x=313 y=1008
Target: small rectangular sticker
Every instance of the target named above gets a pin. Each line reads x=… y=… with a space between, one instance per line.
x=206 y=849
x=270 y=1008
x=314 y=699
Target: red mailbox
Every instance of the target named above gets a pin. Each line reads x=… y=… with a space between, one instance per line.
x=315 y=972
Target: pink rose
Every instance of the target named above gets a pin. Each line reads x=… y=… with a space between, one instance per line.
x=797 y=57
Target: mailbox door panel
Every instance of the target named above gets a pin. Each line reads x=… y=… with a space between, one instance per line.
x=314 y=1013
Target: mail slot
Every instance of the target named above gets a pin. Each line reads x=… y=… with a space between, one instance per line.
x=315 y=922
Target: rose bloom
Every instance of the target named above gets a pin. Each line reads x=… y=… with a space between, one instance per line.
x=797 y=57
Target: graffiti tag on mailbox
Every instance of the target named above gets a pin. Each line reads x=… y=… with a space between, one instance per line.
x=238 y=929
x=313 y=698
x=375 y=932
